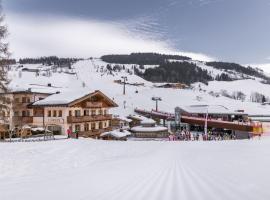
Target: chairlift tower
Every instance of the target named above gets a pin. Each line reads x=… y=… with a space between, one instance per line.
x=124 y=84
x=156 y=99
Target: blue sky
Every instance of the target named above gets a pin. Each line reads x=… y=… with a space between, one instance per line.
x=230 y=30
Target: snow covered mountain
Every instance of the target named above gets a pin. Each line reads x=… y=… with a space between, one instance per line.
x=243 y=92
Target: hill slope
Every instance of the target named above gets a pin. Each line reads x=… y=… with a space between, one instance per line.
x=93 y=74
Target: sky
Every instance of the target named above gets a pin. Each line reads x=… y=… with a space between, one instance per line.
x=227 y=30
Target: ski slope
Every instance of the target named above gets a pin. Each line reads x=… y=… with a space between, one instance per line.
x=90 y=75
x=101 y=170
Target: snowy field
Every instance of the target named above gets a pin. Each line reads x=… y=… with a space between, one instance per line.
x=88 y=169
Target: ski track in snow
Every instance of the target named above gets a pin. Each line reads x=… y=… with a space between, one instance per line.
x=90 y=169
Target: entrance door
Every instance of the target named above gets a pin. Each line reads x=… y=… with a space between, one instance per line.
x=57 y=130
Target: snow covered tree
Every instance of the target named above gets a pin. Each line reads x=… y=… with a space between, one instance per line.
x=257 y=97
x=238 y=95
x=4 y=54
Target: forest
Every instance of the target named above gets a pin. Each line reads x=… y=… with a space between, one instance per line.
x=173 y=72
x=51 y=60
x=142 y=58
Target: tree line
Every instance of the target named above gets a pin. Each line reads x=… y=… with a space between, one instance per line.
x=183 y=72
x=142 y=58
x=51 y=60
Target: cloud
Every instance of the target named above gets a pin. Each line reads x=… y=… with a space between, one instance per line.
x=34 y=36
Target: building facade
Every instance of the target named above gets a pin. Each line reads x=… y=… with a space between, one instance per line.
x=87 y=114
x=17 y=113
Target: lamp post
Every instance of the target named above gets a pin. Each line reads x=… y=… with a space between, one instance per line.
x=124 y=81
x=156 y=99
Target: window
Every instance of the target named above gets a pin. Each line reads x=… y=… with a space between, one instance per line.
x=17 y=100
x=93 y=126
x=70 y=113
x=16 y=113
x=27 y=113
x=100 y=125
x=93 y=112
x=86 y=112
x=49 y=113
x=2 y=113
x=77 y=127
x=28 y=100
x=24 y=100
x=105 y=112
x=54 y=113
x=86 y=127
x=7 y=100
x=100 y=111
x=24 y=113
x=77 y=113
x=60 y=113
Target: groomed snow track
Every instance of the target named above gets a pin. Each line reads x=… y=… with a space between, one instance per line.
x=87 y=169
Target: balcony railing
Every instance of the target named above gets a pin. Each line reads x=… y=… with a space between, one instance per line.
x=23 y=119
x=92 y=118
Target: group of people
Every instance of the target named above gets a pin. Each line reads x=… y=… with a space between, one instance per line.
x=71 y=134
x=186 y=135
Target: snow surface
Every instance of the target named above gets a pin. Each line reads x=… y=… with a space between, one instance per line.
x=116 y=133
x=87 y=169
x=91 y=75
x=246 y=86
x=148 y=129
x=212 y=109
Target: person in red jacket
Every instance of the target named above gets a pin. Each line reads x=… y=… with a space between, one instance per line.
x=69 y=133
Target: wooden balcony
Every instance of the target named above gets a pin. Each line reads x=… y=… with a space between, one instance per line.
x=22 y=119
x=82 y=119
x=20 y=105
x=94 y=104
x=94 y=133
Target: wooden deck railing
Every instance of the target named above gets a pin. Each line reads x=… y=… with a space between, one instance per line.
x=23 y=119
x=81 y=119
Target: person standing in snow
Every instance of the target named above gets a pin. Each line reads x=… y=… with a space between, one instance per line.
x=68 y=133
x=76 y=134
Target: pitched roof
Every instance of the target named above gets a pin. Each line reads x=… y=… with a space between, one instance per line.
x=70 y=98
x=211 y=109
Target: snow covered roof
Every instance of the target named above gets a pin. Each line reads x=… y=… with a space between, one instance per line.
x=211 y=109
x=69 y=97
x=27 y=91
x=261 y=119
x=144 y=120
x=116 y=133
x=149 y=129
x=62 y=98
x=124 y=118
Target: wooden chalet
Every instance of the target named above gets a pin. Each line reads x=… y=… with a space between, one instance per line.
x=88 y=115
